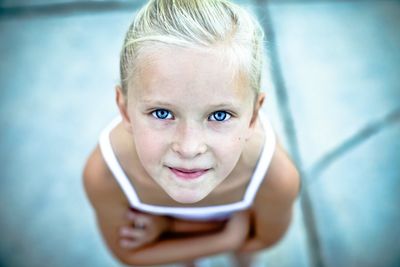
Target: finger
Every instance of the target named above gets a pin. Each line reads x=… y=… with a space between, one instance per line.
x=143 y=222
x=140 y=224
x=129 y=244
x=139 y=220
x=131 y=215
x=129 y=232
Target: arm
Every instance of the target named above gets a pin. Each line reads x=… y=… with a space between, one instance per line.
x=172 y=250
x=267 y=233
x=111 y=206
x=183 y=249
x=145 y=228
x=273 y=204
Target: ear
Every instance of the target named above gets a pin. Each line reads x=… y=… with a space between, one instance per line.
x=258 y=104
x=123 y=110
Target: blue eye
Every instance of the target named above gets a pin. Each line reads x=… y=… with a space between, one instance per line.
x=219 y=116
x=162 y=114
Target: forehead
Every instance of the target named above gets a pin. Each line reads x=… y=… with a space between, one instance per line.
x=168 y=69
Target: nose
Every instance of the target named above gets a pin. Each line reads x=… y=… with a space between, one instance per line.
x=189 y=141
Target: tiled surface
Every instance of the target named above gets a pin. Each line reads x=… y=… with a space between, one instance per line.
x=15 y=3
x=339 y=64
x=57 y=79
x=356 y=202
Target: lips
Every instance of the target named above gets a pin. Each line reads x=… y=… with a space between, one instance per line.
x=188 y=174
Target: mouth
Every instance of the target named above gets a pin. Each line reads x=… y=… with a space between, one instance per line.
x=188 y=174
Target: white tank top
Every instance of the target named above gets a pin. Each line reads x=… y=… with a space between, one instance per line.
x=217 y=212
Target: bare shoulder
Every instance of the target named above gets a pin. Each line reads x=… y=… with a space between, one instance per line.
x=98 y=181
x=280 y=187
x=272 y=208
x=107 y=199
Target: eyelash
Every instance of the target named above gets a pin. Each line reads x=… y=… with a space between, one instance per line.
x=156 y=114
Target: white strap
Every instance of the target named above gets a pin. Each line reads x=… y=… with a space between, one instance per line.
x=128 y=189
x=263 y=162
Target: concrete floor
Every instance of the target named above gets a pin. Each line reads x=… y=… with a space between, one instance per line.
x=334 y=99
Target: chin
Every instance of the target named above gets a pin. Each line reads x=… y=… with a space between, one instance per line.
x=187 y=197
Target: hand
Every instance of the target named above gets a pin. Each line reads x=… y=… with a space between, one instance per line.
x=142 y=229
x=237 y=229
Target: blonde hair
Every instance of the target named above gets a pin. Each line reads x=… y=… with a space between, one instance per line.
x=195 y=23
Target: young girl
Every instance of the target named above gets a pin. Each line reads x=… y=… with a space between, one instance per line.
x=191 y=168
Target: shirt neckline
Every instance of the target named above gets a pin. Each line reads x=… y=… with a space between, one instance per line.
x=260 y=170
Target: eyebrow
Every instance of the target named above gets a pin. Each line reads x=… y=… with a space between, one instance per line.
x=229 y=105
x=224 y=105
x=156 y=103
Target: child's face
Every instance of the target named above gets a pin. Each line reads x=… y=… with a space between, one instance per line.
x=189 y=117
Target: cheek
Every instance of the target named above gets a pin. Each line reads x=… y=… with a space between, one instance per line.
x=228 y=148
x=150 y=147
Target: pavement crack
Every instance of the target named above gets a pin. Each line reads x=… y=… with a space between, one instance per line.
x=352 y=142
